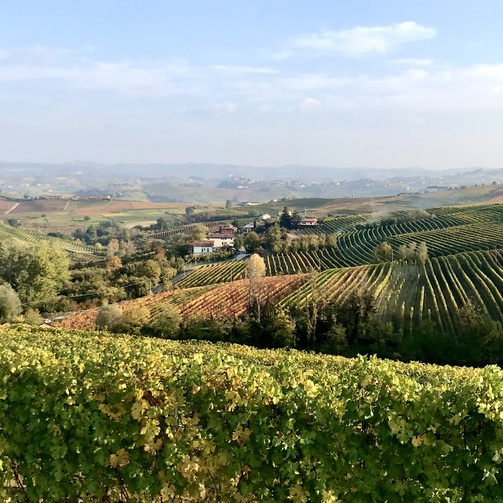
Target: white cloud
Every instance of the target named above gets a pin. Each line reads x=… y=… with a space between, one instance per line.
x=366 y=39
x=40 y=63
x=259 y=70
x=412 y=62
x=226 y=107
x=308 y=105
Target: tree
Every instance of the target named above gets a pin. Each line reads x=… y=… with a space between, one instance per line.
x=422 y=253
x=228 y=204
x=199 y=232
x=133 y=319
x=383 y=252
x=238 y=242
x=113 y=263
x=10 y=305
x=167 y=322
x=109 y=317
x=254 y=271
x=189 y=210
x=255 y=268
x=273 y=238
x=296 y=218
x=113 y=247
x=355 y=313
x=285 y=219
x=33 y=317
x=407 y=252
x=37 y=272
x=150 y=270
x=251 y=241
x=275 y=330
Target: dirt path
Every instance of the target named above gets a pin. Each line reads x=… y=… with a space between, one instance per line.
x=12 y=209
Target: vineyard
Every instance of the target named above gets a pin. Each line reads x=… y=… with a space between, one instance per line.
x=474 y=214
x=410 y=293
x=443 y=236
x=214 y=273
x=232 y=299
x=7 y=233
x=226 y=300
x=90 y=417
x=86 y=320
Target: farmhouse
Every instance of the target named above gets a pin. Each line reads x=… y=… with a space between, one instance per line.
x=308 y=222
x=200 y=247
x=221 y=240
x=248 y=228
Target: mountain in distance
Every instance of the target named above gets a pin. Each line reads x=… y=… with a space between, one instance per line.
x=219 y=171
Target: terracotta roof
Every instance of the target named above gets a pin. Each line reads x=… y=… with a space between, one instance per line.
x=203 y=243
x=218 y=236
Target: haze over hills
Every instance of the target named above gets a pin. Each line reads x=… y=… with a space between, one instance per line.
x=210 y=183
x=212 y=171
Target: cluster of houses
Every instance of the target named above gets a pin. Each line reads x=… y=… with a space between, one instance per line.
x=223 y=235
x=215 y=240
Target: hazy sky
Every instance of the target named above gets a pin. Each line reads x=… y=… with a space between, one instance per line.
x=390 y=83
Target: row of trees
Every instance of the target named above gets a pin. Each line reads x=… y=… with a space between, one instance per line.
x=347 y=328
x=397 y=218
x=410 y=252
x=278 y=240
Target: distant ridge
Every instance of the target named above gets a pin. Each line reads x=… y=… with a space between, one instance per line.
x=217 y=171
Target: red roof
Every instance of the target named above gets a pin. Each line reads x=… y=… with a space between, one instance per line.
x=206 y=244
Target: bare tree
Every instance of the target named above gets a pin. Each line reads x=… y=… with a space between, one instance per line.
x=254 y=271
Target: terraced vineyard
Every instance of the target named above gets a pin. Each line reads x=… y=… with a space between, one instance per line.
x=409 y=293
x=232 y=299
x=336 y=224
x=440 y=242
x=226 y=300
x=442 y=236
x=474 y=214
x=215 y=273
x=8 y=233
x=86 y=320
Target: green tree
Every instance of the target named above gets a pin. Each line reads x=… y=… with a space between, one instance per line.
x=383 y=252
x=151 y=270
x=162 y=224
x=276 y=329
x=228 y=204
x=238 y=242
x=199 y=232
x=167 y=322
x=109 y=317
x=273 y=238
x=134 y=318
x=285 y=219
x=33 y=317
x=251 y=242
x=10 y=305
x=37 y=272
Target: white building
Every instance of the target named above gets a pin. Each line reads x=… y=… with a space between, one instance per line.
x=221 y=240
x=200 y=247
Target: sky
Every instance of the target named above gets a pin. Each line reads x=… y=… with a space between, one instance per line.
x=381 y=84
